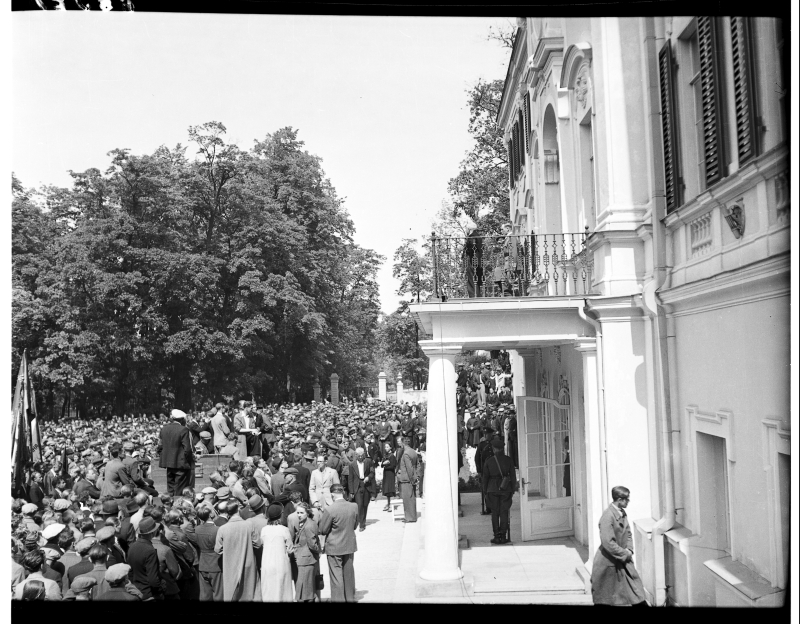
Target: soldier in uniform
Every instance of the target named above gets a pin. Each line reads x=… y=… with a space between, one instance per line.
x=498 y=499
x=482 y=453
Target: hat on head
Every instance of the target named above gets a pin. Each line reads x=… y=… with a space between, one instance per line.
x=147 y=526
x=274 y=511
x=209 y=490
x=131 y=506
x=205 y=435
x=29 y=508
x=255 y=502
x=128 y=446
x=33 y=538
x=223 y=493
x=51 y=530
x=115 y=446
x=51 y=552
x=110 y=507
x=291 y=470
x=97 y=458
x=61 y=504
x=497 y=443
x=177 y=414
x=309 y=455
x=117 y=572
x=106 y=532
x=82 y=584
x=84 y=545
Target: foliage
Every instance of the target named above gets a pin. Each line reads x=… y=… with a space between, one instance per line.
x=233 y=274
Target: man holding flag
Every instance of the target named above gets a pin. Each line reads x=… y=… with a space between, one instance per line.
x=26 y=437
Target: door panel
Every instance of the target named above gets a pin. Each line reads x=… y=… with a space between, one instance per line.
x=545 y=486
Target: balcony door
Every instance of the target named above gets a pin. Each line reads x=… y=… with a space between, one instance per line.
x=546 y=477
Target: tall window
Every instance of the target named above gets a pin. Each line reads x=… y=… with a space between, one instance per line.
x=712 y=481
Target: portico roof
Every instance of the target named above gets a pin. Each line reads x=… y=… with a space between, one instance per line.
x=513 y=323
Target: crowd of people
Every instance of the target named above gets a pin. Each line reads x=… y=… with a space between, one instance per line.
x=290 y=483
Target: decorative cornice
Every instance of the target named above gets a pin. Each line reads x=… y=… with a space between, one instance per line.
x=576 y=52
x=544 y=48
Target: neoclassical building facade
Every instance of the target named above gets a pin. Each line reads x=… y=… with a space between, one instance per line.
x=648 y=177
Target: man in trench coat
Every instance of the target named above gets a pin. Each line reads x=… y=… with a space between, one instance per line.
x=236 y=542
x=614 y=577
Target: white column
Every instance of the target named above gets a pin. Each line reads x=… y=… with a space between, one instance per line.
x=593 y=460
x=441 y=470
x=382 y=386
x=399 y=388
x=317 y=391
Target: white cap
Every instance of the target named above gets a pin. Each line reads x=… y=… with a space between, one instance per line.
x=177 y=414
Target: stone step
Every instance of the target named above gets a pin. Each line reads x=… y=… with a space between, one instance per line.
x=509 y=587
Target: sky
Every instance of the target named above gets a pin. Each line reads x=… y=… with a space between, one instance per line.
x=382 y=100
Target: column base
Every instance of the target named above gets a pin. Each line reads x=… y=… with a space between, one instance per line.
x=444 y=589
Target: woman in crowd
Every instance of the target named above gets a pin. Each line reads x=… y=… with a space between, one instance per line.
x=389 y=467
x=305 y=538
x=276 y=570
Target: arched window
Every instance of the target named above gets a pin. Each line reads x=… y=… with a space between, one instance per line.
x=552 y=174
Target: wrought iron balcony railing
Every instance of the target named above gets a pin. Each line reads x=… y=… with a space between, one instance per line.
x=534 y=265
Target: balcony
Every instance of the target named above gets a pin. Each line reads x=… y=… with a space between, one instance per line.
x=531 y=265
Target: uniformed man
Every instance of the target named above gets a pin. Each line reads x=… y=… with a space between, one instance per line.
x=495 y=470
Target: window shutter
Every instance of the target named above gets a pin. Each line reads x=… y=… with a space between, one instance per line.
x=510 y=166
x=522 y=139
x=515 y=145
x=669 y=127
x=746 y=127
x=710 y=88
x=527 y=121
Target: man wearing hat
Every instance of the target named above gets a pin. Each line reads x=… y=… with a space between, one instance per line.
x=175 y=449
x=116 y=577
x=203 y=446
x=208 y=501
x=28 y=511
x=106 y=537
x=134 y=473
x=143 y=559
x=498 y=499
x=82 y=548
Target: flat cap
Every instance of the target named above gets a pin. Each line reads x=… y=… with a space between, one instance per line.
x=291 y=470
x=128 y=446
x=110 y=507
x=205 y=435
x=83 y=583
x=29 y=508
x=83 y=546
x=209 y=490
x=223 y=493
x=60 y=504
x=117 y=572
x=51 y=530
x=104 y=533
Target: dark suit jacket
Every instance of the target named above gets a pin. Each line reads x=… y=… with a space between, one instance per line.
x=303 y=475
x=339 y=522
x=84 y=485
x=491 y=475
x=206 y=534
x=143 y=559
x=175 y=447
x=354 y=482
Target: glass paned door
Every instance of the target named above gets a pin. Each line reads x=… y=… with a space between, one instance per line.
x=547 y=476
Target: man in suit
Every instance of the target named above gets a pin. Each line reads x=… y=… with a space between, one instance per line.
x=133 y=471
x=175 y=449
x=319 y=492
x=220 y=429
x=498 y=500
x=338 y=522
x=361 y=484
x=407 y=474
x=209 y=568
x=245 y=420
x=482 y=453
x=143 y=559
x=236 y=542
x=614 y=577
x=116 y=473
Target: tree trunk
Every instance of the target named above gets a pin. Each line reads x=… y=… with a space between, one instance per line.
x=182 y=383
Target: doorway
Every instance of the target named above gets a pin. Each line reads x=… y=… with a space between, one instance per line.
x=546 y=476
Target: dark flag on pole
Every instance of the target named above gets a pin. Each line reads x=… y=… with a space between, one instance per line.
x=26 y=440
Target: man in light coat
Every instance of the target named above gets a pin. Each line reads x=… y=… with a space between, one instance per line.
x=322 y=478
x=338 y=523
x=219 y=426
x=236 y=542
x=614 y=577
x=407 y=474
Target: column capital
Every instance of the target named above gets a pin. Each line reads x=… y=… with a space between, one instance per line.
x=432 y=348
x=586 y=345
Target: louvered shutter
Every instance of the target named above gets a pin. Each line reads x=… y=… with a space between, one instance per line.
x=510 y=166
x=710 y=89
x=515 y=145
x=527 y=121
x=522 y=140
x=744 y=95
x=669 y=127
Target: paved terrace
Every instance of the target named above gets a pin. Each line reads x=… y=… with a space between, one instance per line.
x=389 y=558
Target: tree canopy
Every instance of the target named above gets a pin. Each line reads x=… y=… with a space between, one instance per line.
x=170 y=280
